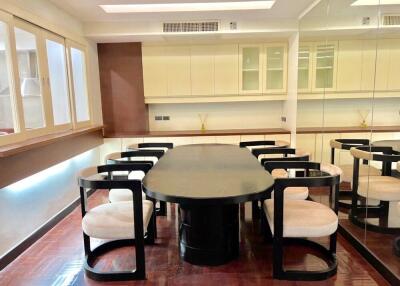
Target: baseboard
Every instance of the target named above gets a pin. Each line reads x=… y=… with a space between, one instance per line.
x=370 y=257
x=35 y=236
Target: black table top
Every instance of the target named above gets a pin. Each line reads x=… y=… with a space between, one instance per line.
x=208 y=174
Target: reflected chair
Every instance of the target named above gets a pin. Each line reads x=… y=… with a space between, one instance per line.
x=382 y=188
x=347 y=169
x=149 y=157
x=264 y=143
x=291 y=221
x=121 y=224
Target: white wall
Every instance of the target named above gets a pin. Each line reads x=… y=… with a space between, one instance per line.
x=342 y=113
x=235 y=115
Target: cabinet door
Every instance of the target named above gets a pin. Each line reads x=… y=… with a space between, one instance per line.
x=202 y=70
x=154 y=71
x=382 y=65
x=250 y=67
x=368 y=65
x=394 y=65
x=226 y=69
x=178 y=70
x=349 y=65
x=304 y=79
x=275 y=66
x=324 y=66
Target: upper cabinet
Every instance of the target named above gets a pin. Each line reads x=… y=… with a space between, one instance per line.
x=178 y=70
x=275 y=66
x=324 y=66
x=154 y=64
x=304 y=77
x=226 y=69
x=202 y=70
x=205 y=73
x=250 y=67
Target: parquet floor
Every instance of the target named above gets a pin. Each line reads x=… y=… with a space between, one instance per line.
x=56 y=259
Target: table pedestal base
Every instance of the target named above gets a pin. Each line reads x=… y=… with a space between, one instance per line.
x=209 y=234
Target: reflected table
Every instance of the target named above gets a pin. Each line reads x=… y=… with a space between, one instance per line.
x=208 y=182
x=395 y=144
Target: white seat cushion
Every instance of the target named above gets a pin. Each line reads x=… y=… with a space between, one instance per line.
x=384 y=188
x=123 y=195
x=134 y=175
x=294 y=193
x=365 y=170
x=303 y=218
x=114 y=221
x=165 y=149
x=279 y=173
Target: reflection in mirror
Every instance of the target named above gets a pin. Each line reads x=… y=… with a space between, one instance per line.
x=348 y=91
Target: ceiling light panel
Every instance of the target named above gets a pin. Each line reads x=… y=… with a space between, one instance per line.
x=188 y=7
x=375 y=2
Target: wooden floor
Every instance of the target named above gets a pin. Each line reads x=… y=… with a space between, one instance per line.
x=56 y=259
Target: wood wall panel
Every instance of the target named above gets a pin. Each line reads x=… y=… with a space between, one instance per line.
x=23 y=164
x=121 y=82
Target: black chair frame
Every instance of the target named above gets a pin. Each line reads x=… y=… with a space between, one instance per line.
x=357 y=212
x=347 y=144
x=162 y=210
x=272 y=143
x=285 y=152
x=155 y=144
x=329 y=255
x=92 y=255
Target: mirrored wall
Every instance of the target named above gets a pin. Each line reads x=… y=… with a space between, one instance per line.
x=349 y=96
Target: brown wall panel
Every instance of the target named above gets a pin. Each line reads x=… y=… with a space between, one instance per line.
x=121 y=81
x=21 y=165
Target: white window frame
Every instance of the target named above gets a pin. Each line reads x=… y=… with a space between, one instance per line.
x=72 y=44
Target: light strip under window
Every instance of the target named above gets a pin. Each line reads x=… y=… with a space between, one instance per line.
x=188 y=7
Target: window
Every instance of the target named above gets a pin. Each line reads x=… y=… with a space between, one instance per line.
x=79 y=83
x=28 y=69
x=7 y=125
x=58 y=82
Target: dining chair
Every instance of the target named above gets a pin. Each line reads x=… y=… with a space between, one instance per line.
x=294 y=221
x=149 y=157
x=382 y=188
x=121 y=223
x=396 y=242
x=264 y=143
x=164 y=146
x=347 y=169
x=286 y=154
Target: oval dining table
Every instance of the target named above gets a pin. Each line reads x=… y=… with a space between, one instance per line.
x=208 y=182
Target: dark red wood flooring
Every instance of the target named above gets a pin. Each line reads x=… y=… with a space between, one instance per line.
x=56 y=259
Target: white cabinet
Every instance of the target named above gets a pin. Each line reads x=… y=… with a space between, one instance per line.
x=304 y=80
x=250 y=69
x=368 y=65
x=324 y=66
x=178 y=71
x=349 y=69
x=275 y=68
x=154 y=71
x=202 y=70
x=226 y=60
x=394 y=65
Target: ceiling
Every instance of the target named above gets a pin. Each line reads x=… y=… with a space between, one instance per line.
x=89 y=11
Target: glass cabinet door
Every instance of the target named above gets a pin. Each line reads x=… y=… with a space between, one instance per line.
x=275 y=68
x=250 y=69
x=304 y=68
x=325 y=66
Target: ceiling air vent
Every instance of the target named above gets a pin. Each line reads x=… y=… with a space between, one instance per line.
x=190 y=27
x=391 y=20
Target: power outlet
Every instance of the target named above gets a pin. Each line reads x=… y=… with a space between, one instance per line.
x=283 y=118
x=158 y=118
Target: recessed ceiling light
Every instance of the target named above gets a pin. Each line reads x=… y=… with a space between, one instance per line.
x=375 y=2
x=188 y=7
